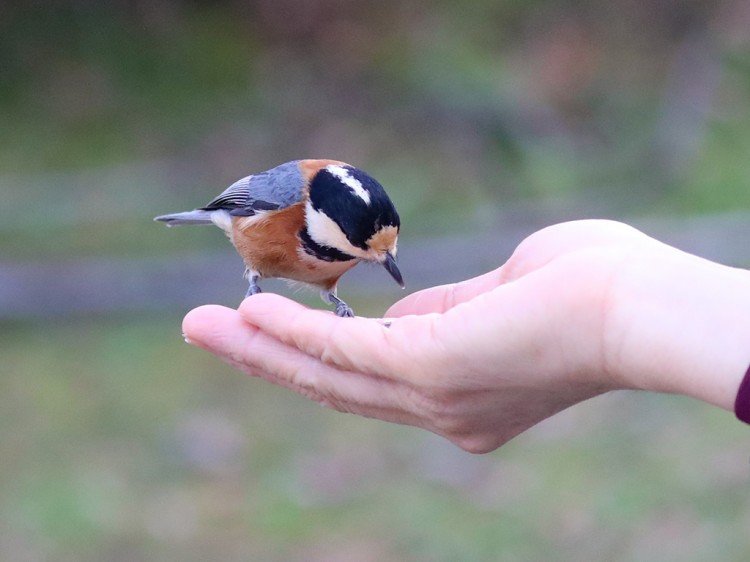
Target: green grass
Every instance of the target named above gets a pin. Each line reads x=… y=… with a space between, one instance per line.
x=121 y=441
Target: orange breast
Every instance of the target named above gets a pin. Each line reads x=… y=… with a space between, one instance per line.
x=269 y=244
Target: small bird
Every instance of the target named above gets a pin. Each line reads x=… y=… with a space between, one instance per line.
x=308 y=221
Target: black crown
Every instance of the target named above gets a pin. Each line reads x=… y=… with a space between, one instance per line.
x=357 y=218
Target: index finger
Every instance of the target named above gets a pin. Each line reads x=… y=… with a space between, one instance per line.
x=352 y=344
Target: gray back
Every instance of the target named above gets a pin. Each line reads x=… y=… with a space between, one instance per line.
x=276 y=188
x=281 y=185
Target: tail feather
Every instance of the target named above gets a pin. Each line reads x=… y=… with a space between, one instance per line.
x=190 y=217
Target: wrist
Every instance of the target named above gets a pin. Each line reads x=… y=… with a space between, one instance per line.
x=681 y=324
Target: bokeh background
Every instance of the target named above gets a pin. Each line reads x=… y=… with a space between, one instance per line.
x=485 y=120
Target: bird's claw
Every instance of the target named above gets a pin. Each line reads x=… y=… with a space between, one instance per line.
x=253 y=290
x=344 y=310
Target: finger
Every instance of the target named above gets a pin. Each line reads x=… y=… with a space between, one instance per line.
x=210 y=326
x=223 y=332
x=350 y=344
x=442 y=298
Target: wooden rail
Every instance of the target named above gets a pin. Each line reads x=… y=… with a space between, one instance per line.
x=72 y=286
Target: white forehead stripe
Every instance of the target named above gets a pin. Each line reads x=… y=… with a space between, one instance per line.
x=349 y=181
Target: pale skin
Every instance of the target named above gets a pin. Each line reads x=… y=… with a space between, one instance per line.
x=580 y=309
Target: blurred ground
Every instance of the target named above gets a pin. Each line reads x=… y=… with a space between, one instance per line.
x=485 y=121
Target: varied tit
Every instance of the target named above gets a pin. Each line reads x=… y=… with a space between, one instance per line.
x=309 y=221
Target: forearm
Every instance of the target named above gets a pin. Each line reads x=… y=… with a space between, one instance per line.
x=681 y=324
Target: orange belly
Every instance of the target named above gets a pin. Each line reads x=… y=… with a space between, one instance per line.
x=269 y=245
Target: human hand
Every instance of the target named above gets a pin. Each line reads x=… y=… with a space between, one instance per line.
x=579 y=309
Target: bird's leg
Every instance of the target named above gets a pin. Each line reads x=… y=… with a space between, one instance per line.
x=252 y=278
x=342 y=309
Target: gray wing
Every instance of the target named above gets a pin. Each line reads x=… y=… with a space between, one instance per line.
x=273 y=189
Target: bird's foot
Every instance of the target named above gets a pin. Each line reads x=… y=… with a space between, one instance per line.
x=253 y=288
x=342 y=309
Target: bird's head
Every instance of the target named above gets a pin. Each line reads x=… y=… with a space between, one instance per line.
x=348 y=215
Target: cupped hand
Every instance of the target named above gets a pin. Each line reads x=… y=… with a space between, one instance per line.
x=477 y=362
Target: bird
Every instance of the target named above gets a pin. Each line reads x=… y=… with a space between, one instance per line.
x=307 y=221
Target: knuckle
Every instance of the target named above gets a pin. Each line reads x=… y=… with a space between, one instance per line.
x=333 y=348
x=330 y=354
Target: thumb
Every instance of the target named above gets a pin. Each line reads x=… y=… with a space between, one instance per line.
x=444 y=297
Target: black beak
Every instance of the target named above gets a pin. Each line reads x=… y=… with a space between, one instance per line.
x=390 y=266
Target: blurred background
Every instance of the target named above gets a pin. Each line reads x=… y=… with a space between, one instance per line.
x=485 y=120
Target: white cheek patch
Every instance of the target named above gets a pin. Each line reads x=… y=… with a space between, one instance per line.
x=352 y=183
x=326 y=232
